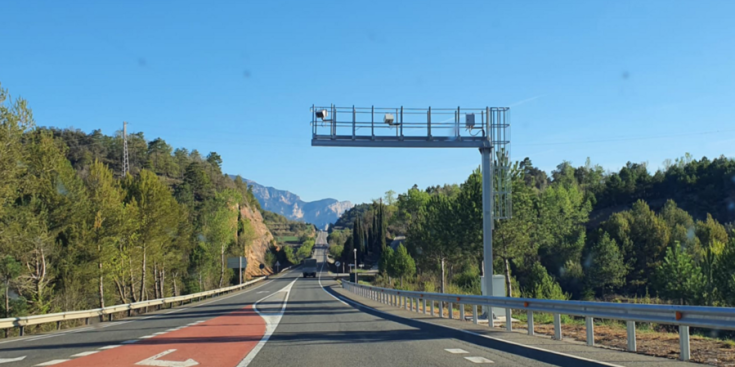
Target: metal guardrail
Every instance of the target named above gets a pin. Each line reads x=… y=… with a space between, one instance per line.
x=717 y=318
x=22 y=322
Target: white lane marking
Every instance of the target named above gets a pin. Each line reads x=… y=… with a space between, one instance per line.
x=116 y=323
x=456 y=351
x=358 y=305
x=320 y=284
x=159 y=333
x=84 y=354
x=146 y=337
x=110 y=347
x=129 y=342
x=170 y=330
x=43 y=337
x=154 y=361
x=53 y=362
x=478 y=359
x=263 y=292
x=8 y=360
x=271 y=323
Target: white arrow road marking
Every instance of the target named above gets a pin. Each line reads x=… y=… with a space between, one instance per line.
x=456 y=351
x=271 y=323
x=8 y=360
x=154 y=361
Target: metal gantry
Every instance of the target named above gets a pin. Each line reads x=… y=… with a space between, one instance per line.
x=487 y=129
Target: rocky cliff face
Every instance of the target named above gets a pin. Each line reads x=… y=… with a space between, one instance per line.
x=319 y=213
x=260 y=244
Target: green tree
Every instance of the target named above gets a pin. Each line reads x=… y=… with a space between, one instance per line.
x=679 y=278
x=104 y=222
x=157 y=214
x=9 y=271
x=606 y=270
x=401 y=264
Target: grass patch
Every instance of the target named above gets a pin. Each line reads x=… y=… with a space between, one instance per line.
x=287 y=239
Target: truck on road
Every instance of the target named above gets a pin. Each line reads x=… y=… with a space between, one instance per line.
x=309 y=267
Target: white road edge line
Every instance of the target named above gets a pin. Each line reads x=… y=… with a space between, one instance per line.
x=320 y=284
x=84 y=354
x=110 y=347
x=271 y=322
x=53 y=362
x=358 y=305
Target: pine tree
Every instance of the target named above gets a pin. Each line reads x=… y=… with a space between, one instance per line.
x=606 y=271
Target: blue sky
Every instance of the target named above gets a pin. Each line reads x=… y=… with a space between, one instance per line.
x=615 y=81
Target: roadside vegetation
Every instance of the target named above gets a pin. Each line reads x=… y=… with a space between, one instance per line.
x=576 y=233
x=76 y=234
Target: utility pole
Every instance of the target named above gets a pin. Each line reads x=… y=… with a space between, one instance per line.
x=126 y=162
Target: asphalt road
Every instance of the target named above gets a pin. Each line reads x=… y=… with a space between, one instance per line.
x=286 y=321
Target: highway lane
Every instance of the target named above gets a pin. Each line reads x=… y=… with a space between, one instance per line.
x=319 y=330
x=288 y=321
x=167 y=326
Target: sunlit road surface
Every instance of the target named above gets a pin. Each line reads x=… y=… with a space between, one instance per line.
x=285 y=321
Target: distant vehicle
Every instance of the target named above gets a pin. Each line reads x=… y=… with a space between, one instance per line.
x=309 y=268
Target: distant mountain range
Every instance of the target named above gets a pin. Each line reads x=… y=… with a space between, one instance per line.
x=320 y=212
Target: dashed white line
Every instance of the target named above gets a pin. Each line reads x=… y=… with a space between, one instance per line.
x=478 y=360
x=456 y=350
x=160 y=332
x=110 y=347
x=84 y=354
x=53 y=362
x=146 y=337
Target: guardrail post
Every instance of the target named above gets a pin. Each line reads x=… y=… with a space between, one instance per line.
x=424 y=301
x=451 y=310
x=529 y=316
x=589 y=323
x=684 y=342
x=109 y=317
x=432 y=307
x=86 y=321
x=441 y=309
x=474 y=314
x=557 y=326
x=631 y=335
x=461 y=312
x=58 y=325
x=22 y=331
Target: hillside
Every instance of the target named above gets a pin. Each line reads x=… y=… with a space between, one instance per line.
x=78 y=233
x=320 y=212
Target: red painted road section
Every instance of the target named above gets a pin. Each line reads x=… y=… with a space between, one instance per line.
x=223 y=342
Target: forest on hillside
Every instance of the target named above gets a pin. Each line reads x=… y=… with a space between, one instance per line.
x=576 y=233
x=76 y=234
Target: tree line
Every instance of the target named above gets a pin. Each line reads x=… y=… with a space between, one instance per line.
x=77 y=234
x=577 y=232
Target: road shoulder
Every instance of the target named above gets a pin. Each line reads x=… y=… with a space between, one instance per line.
x=537 y=347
